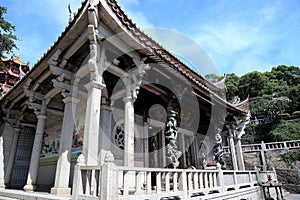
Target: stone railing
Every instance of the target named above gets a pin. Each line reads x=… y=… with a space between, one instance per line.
x=294 y=144
x=115 y=182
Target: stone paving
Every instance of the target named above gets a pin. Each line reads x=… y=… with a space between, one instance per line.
x=292 y=197
x=8 y=194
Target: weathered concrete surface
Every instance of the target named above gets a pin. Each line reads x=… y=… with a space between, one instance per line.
x=7 y=194
x=292 y=197
x=290 y=179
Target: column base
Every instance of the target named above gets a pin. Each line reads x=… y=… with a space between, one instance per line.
x=61 y=191
x=29 y=188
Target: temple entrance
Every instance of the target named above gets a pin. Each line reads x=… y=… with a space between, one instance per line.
x=22 y=158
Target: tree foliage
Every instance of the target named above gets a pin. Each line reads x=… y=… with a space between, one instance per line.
x=275 y=94
x=276 y=106
x=7 y=37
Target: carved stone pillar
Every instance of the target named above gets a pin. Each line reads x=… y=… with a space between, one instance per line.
x=2 y=185
x=92 y=122
x=61 y=185
x=172 y=153
x=232 y=148
x=239 y=153
x=239 y=130
x=129 y=132
x=36 y=149
x=132 y=83
x=12 y=155
x=105 y=130
x=96 y=68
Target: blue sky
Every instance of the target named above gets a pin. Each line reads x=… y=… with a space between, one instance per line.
x=238 y=36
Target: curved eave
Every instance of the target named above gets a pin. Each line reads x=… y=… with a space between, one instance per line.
x=166 y=56
x=41 y=64
x=15 y=60
x=221 y=84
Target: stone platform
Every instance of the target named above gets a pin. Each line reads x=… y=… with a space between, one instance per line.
x=8 y=194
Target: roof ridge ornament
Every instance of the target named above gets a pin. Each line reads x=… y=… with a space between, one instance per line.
x=71 y=13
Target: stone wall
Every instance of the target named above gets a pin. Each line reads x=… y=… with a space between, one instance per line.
x=287 y=173
x=290 y=179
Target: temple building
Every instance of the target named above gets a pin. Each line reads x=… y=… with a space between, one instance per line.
x=12 y=71
x=108 y=113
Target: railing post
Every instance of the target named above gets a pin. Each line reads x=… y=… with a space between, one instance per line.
x=77 y=180
x=109 y=178
x=183 y=183
x=221 y=180
x=262 y=154
x=275 y=174
x=257 y=174
x=285 y=145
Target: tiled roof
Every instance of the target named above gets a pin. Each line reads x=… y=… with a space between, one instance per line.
x=167 y=57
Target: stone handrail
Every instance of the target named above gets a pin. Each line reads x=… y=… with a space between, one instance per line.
x=293 y=144
x=116 y=182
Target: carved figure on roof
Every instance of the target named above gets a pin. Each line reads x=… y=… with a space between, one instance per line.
x=235 y=100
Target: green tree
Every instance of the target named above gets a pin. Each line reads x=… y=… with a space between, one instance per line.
x=232 y=82
x=285 y=131
x=213 y=77
x=7 y=38
x=252 y=84
x=277 y=106
x=288 y=74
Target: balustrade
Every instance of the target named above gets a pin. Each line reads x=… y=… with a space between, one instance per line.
x=156 y=183
x=268 y=146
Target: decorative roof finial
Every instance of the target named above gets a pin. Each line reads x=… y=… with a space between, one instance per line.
x=71 y=14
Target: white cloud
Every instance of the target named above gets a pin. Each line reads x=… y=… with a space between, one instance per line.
x=125 y=2
x=139 y=18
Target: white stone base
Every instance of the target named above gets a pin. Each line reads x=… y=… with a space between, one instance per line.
x=29 y=188
x=61 y=191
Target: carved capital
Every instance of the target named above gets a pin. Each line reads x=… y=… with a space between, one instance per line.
x=62 y=73
x=71 y=99
x=54 y=57
x=61 y=85
x=41 y=116
x=94 y=84
x=133 y=79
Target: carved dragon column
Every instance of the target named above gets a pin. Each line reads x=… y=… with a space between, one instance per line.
x=172 y=153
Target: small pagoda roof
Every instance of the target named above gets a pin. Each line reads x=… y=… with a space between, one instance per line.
x=221 y=84
x=15 y=59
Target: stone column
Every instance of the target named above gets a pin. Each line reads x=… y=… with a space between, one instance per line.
x=36 y=149
x=132 y=82
x=239 y=131
x=92 y=123
x=129 y=132
x=232 y=148
x=11 y=158
x=263 y=158
x=61 y=185
x=2 y=185
x=239 y=152
x=104 y=130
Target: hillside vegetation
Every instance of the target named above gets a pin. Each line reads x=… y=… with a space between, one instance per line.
x=274 y=102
